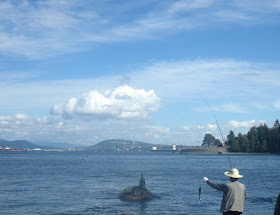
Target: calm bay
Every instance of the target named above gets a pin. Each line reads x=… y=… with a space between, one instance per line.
x=83 y=183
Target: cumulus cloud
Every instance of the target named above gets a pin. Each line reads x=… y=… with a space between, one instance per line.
x=186 y=128
x=22 y=116
x=212 y=127
x=16 y=117
x=49 y=128
x=123 y=102
x=244 y=124
x=5 y=118
x=173 y=81
x=241 y=126
x=54 y=128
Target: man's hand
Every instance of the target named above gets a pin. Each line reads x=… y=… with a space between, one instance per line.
x=205 y=179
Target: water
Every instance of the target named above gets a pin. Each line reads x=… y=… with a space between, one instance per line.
x=84 y=183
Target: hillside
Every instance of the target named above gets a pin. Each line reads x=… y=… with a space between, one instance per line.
x=57 y=145
x=20 y=144
x=121 y=145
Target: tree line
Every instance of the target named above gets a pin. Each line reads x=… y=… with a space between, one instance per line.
x=261 y=139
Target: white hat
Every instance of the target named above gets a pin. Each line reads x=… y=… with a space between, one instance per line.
x=234 y=173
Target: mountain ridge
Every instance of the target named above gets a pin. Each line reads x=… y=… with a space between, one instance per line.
x=121 y=145
x=20 y=144
x=105 y=145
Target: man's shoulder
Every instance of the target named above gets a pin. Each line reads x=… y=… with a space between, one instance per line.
x=240 y=183
x=235 y=184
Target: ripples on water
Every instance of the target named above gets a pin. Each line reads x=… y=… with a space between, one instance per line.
x=85 y=183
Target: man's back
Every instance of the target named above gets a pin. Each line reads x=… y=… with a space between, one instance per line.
x=234 y=195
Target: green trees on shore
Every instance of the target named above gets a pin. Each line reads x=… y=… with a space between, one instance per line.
x=210 y=141
x=259 y=139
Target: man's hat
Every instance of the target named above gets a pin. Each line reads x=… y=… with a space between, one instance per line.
x=234 y=173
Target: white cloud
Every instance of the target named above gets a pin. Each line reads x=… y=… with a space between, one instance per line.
x=36 y=29
x=158 y=129
x=244 y=124
x=187 y=128
x=183 y=5
x=258 y=6
x=212 y=127
x=200 y=127
x=236 y=82
x=261 y=106
x=123 y=102
x=40 y=29
x=16 y=117
x=233 y=16
x=22 y=117
x=6 y=118
x=48 y=128
x=173 y=81
x=230 y=107
x=241 y=126
x=215 y=78
x=53 y=128
x=47 y=120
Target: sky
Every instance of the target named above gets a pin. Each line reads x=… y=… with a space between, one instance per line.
x=83 y=71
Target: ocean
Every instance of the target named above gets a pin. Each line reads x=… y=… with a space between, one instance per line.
x=88 y=183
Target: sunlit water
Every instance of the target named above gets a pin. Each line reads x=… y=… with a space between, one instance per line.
x=83 y=183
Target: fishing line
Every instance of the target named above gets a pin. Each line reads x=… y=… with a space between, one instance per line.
x=219 y=130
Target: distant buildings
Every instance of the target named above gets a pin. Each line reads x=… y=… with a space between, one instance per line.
x=164 y=148
x=10 y=149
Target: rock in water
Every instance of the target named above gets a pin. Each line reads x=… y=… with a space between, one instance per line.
x=136 y=193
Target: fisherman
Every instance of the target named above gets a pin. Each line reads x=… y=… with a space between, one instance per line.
x=234 y=193
x=142 y=182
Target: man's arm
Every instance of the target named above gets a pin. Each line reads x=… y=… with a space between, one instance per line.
x=220 y=187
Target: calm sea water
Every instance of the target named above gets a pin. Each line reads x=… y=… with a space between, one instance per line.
x=83 y=183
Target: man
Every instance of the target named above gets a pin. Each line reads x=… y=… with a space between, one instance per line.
x=234 y=193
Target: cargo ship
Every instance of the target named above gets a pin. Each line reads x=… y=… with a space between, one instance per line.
x=9 y=149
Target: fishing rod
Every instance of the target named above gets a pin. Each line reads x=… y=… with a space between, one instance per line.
x=220 y=131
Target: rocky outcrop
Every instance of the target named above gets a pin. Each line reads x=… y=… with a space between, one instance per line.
x=136 y=193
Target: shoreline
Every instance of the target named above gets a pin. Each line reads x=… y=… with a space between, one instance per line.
x=229 y=153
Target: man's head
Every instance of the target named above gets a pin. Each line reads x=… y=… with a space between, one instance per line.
x=233 y=179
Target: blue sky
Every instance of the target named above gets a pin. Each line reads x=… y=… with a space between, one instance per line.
x=80 y=72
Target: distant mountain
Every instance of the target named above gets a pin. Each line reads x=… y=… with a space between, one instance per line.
x=121 y=145
x=3 y=141
x=57 y=145
x=106 y=145
x=20 y=144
